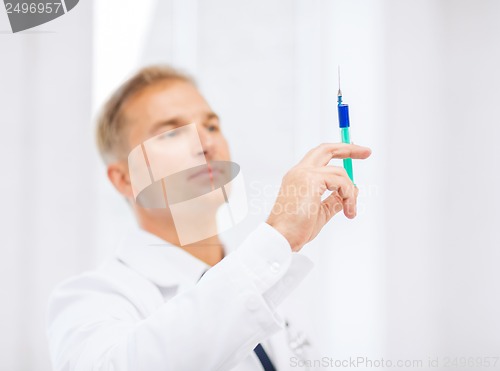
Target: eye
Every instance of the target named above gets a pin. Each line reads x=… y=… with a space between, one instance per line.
x=168 y=134
x=213 y=127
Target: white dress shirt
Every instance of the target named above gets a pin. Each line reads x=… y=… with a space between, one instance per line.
x=148 y=310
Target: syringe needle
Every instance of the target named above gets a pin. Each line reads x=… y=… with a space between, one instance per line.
x=339 y=94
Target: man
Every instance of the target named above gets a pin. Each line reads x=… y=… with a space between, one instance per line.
x=148 y=309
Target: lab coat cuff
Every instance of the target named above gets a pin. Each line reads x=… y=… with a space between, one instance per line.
x=299 y=268
x=266 y=255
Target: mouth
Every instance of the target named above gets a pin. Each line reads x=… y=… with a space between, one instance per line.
x=206 y=172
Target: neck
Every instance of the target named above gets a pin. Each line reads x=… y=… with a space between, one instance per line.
x=210 y=250
x=161 y=224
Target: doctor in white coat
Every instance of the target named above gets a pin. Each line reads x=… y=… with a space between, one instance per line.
x=162 y=305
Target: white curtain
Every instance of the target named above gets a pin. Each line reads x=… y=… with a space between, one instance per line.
x=413 y=276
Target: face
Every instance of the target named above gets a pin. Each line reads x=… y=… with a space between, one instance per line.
x=164 y=117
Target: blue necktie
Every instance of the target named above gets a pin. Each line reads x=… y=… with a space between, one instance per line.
x=264 y=358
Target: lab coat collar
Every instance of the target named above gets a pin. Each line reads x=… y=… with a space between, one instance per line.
x=164 y=264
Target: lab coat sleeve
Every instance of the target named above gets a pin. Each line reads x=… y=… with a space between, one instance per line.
x=269 y=261
x=213 y=326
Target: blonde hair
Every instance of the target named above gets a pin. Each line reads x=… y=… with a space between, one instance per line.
x=111 y=121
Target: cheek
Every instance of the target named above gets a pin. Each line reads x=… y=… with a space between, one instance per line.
x=223 y=148
x=168 y=160
x=164 y=155
x=171 y=155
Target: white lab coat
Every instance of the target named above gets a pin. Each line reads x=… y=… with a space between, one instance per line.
x=147 y=310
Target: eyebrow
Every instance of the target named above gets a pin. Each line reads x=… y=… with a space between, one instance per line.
x=179 y=121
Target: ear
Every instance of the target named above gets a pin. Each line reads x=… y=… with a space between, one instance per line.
x=118 y=175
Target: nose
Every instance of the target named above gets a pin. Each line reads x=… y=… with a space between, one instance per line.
x=207 y=142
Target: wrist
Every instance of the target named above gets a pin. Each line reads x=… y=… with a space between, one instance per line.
x=281 y=229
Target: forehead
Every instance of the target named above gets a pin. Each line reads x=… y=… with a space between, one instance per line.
x=164 y=100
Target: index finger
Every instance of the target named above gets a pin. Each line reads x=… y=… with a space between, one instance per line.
x=322 y=154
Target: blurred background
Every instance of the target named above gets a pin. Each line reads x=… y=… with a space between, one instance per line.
x=415 y=275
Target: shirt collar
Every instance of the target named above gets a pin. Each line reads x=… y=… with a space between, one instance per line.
x=161 y=262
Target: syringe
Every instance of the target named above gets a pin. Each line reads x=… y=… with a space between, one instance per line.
x=343 y=110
